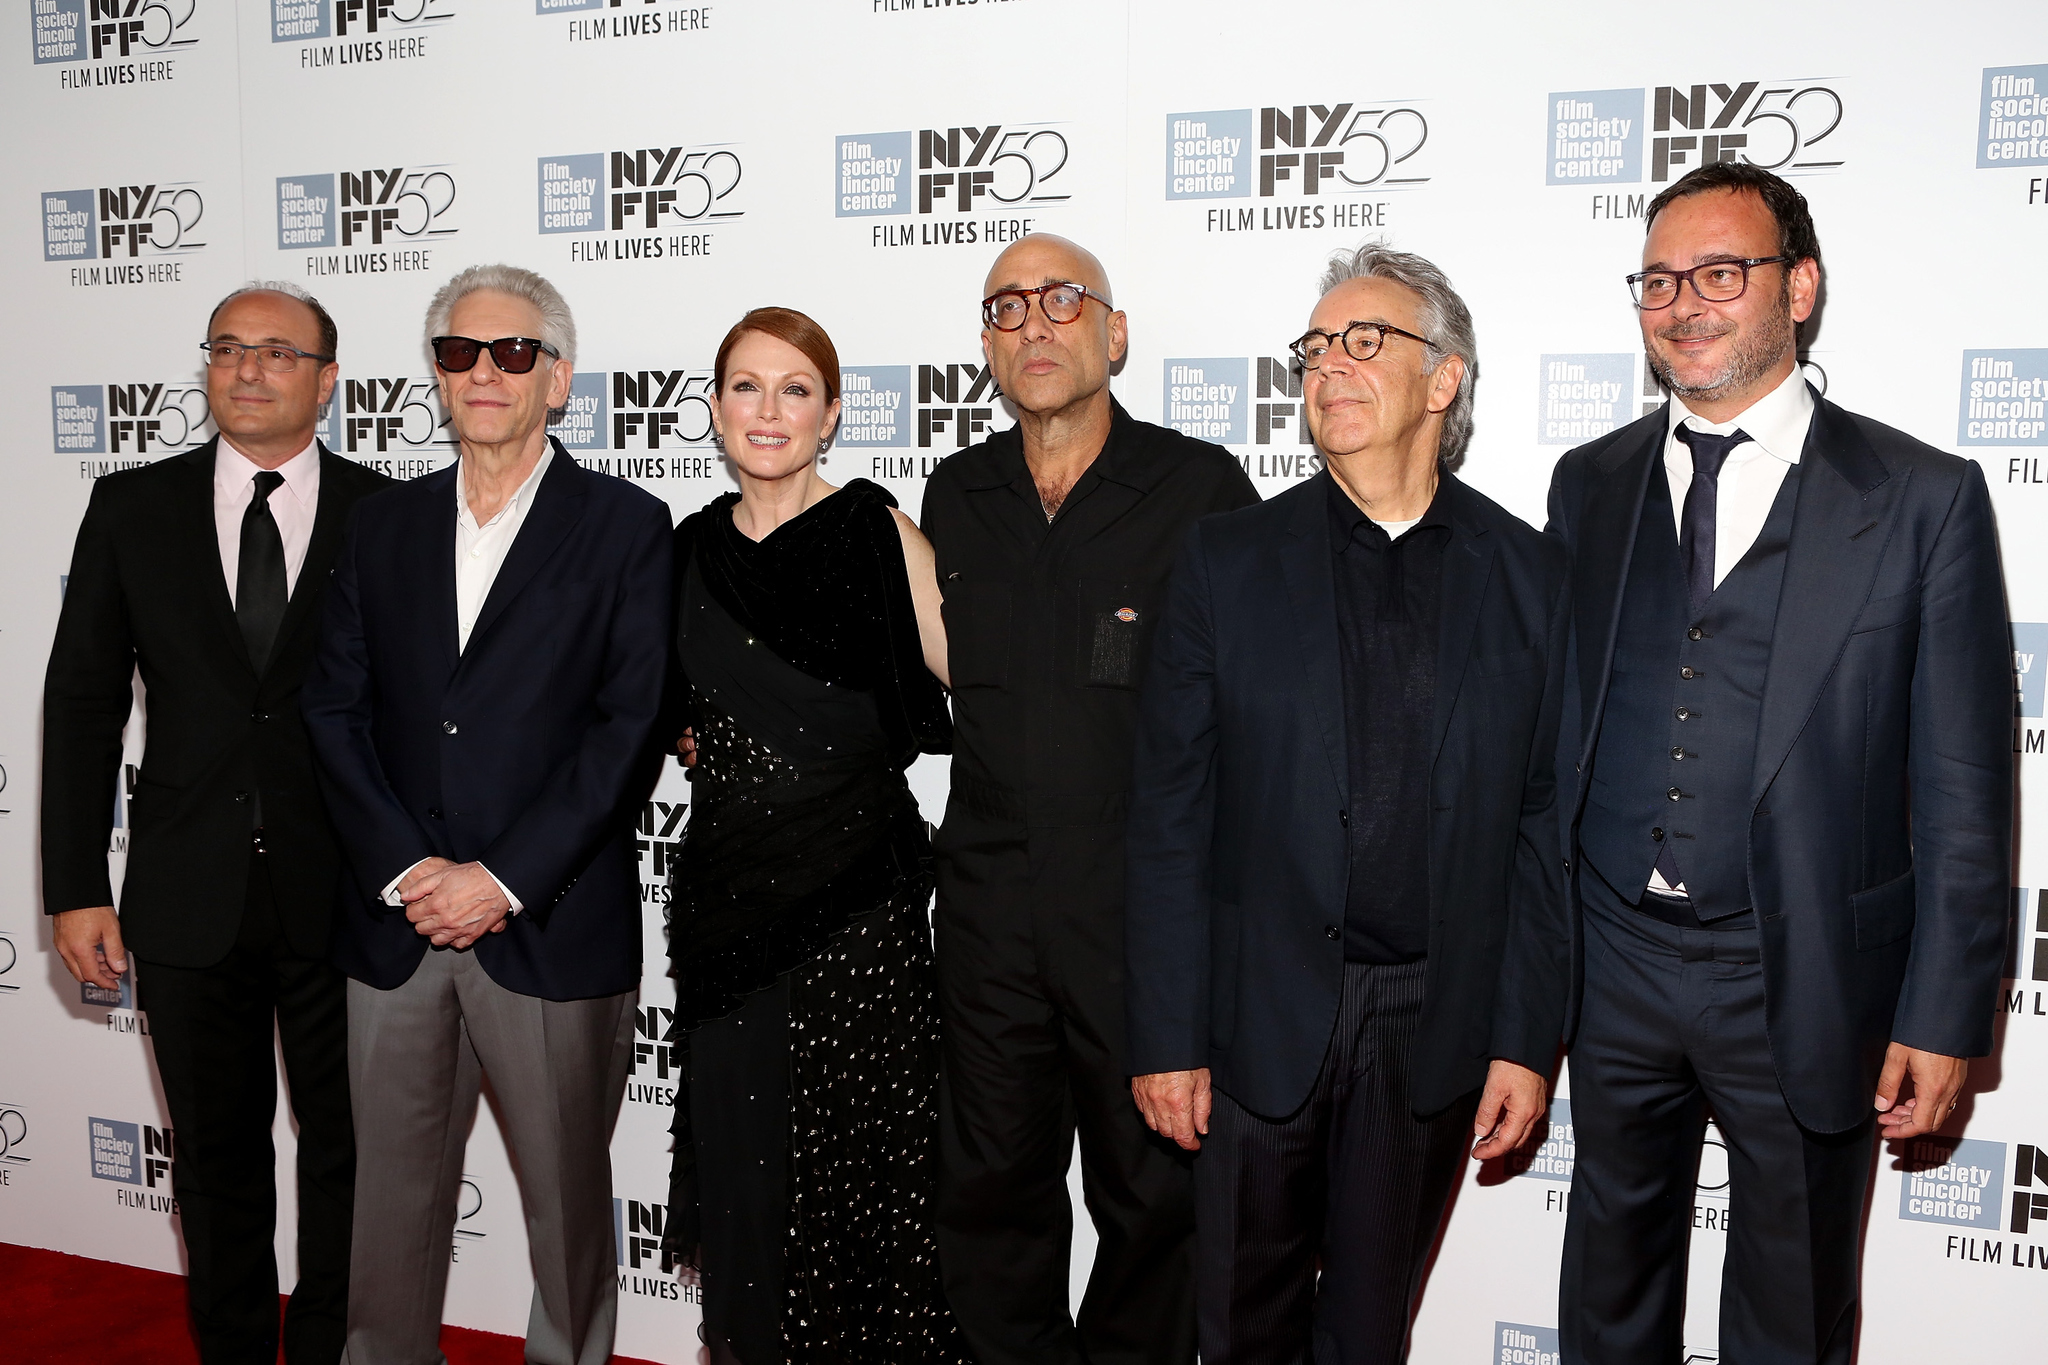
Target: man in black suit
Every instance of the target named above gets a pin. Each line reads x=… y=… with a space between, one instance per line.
x=1346 y=941
x=206 y=571
x=483 y=705
x=1786 y=750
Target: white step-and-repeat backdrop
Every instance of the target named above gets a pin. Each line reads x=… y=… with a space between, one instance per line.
x=670 y=165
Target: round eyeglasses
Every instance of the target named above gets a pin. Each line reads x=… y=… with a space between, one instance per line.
x=1006 y=309
x=1362 y=341
x=513 y=355
x=1715 y=282
x=227 y=355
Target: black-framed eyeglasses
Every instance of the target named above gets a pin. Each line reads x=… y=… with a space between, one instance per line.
x=1362 y=341
x=513 y=355
x=1006 y=309
x=227 y=355
x=1716 y=282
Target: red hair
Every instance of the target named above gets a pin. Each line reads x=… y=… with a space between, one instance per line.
x=784 y=324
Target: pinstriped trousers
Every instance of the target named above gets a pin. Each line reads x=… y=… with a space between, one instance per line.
x=1351 y=1179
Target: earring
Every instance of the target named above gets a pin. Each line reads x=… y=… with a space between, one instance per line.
x=824 y=445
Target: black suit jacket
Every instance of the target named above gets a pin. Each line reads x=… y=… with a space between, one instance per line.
x=147 y=591
x=529 y=752
x=1238 y=855
x=1880 y=823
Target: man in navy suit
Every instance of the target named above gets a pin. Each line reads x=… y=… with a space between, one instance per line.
x=1345 y=941
x=483 y=705
x=1787 y=779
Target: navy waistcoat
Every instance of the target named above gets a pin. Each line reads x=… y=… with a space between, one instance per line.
x=1677 y=749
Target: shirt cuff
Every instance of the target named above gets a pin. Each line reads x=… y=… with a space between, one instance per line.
x=517 y=904
x=389 y=895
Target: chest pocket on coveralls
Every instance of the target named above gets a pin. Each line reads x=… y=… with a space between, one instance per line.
x=1116 y=621
x=977 y=619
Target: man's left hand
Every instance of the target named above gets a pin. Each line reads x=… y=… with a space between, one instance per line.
x=1514 y=1099
x=1937 y=1088
x=458 y=907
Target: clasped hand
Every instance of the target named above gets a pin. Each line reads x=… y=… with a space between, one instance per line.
x=453 y=904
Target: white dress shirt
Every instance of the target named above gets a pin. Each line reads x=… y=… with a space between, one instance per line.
x=292 y=507
x=1754 y=472
x=480 y=552
x=1750 y=479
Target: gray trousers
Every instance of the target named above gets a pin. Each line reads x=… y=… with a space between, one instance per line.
x=416 y=1057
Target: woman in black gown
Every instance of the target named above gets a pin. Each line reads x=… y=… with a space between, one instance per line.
x=811 y=657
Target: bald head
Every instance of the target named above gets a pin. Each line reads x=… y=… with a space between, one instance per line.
x=1043 y=258
x=1046 y=367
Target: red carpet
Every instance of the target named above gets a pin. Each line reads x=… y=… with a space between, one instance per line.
x=67 y=1310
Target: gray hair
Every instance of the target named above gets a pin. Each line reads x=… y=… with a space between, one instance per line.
x=1444 y=317
x=330 y=335
x=557 y=327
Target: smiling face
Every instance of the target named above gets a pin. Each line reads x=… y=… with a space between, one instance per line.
x=1394 y=400
x=1724 y=356
x=485 y=405
x=258 y=409
x=1046 y=367
x=772 y=413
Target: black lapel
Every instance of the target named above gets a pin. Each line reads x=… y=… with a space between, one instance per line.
x=1602 y=549
x=330 y=514
x=1468 y=562
x=1305 y=565
x=557 y=507
x=420 y=552
x=200 y=536
x=1842 y=522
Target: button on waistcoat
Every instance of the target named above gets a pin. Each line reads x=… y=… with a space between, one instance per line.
x=1675 y=761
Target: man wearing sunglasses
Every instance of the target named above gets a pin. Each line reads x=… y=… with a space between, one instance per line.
x=1053 y=541
x=482 y=705
x=207 y=571
x=1346 y=925
x=1787 y=782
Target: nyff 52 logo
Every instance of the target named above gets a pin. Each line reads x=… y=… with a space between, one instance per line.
x=122 y=220
x=294 y=21
x=399 y=204
x=95 y=30
x=641 y=190
x=128 y=419
x=1301 y=150
x=957 y=170
x=1596 y=136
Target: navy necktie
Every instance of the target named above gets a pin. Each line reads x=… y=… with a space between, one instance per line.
x=260 y=594
x=1702 y=496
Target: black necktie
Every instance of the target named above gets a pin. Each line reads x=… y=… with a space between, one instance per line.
x=260 y=594
x=1696 y=526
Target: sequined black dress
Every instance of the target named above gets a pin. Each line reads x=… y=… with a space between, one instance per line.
x=805 y=1130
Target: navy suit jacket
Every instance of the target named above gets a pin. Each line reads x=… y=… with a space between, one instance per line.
x=1238 y=854
x=1880 y=821
x=528 y=752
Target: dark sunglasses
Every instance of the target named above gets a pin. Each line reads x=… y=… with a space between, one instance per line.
x=513 y=355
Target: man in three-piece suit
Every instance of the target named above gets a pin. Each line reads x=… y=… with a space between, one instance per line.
x=483 y=705
x=1787 y=768
x=1346 y=940
x=207 y=571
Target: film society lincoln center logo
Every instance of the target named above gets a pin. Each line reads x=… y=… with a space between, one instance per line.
x=130 y=40
x=1962 y=1183
x=2012 y=129
x=2004 y=402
